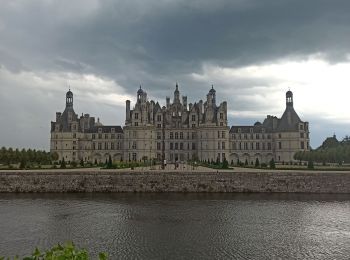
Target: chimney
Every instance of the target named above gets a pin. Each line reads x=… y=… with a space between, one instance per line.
x=167 y=102
x=127 y=116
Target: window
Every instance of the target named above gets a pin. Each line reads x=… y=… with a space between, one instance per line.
x=136 y=124
x=193 y=117
x=193 y=135
x=118 y=145
x=99 y=136
x=176 y=146
x=112 y=146
x=257 y=136
x=245 y=136
x=193 y=146
x=159 y=135
x=93 y=146
x=221 y=116
x=99 y=146
x=112 y=136
x=106 y=146
x=302 y=146
x=193 y=125
x=134 y=156
x=223 y=134
x=181 y=135
x=133 y=145
x=301 y=127
x=159 y=125
x=234 y=146
x=112 y=130
x=171 y=135
x=136 y=115
x=268 y=146
x=158 y=146
x=159 y=118
x=257 y=145
x=279 y=135
x=252 y=146
x=74 y=135
x=106 y=136
x=223 y=145
x=171 y=146
x=234 y=136
x=100 y=130
x=181 y=146
x=240 y=146
x=279 y=145
x=301 y=135
x=176 y=135
x=218 y=145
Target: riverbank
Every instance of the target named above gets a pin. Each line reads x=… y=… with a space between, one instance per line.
x=201 y=180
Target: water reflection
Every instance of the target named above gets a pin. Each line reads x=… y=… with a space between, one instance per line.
x=171 y=226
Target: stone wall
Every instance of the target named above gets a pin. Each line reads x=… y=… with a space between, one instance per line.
x=159 y=181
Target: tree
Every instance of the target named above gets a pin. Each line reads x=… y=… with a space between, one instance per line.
x=225 y=164
x=82 y=162
x=63 y=164
x=246 y=162
x=310 y=164
x=110 y=164
x=272 y=164
x=257 y=163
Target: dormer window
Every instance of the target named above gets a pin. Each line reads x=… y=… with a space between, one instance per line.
x=112 y=130
x=239 y=130
x=100 y=130
x=251 y=130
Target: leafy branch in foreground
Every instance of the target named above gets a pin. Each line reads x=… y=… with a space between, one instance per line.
x=68 y=251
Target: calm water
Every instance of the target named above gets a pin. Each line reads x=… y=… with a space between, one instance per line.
x=186 y=226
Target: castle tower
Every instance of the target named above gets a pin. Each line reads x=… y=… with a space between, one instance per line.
x=176 y=94
x=69 y=99
x=289 y=98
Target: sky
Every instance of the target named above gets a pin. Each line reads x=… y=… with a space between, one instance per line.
x=252 y=51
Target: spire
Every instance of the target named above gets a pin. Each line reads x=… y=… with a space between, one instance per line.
x=176 y=94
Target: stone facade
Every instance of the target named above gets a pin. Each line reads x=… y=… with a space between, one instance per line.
x=178 y=132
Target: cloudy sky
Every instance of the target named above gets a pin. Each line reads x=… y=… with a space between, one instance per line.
x=253 y=51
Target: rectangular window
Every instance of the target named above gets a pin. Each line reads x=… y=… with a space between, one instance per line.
x=221 y=116
x=171 y=135
x=257 y=146
x=181 y=146
x=193 y=146
x=158 y=146
x=301 y=135
x=93 y=136
x=133 y=145
x=136 y=115
x=193 y=117
x=176 y=146
x=302 y=146
x=279 y=145
x=193 y=125
x=181 y=135
x=257 y=136
x=134 y=156
x=106 y=136
x=99 y=146
x=112 y=136
x=218 y=145
x=99 y=136
x=159 y=125
x=159 y=135
x=171 y=146
x=234 y=146
x=223 y=145
x=268 y=146
x=136 y=124
x=112 y=146
x=159 y=118
x=223 y=134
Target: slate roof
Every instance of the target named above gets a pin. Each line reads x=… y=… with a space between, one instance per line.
x=106 y=129
x=289 y=120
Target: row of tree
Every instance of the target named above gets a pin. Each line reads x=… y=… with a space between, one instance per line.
x=331 y=151
x=10 y=156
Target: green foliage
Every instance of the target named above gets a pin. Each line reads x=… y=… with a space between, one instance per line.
x=257 y=163
x=310 y=165
x=272 y=164
x=68 y=251
x=63 y=164
x=331 y=151
x=24 y=157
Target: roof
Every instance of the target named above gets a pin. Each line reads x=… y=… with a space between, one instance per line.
x=246 y=129
x=289 y=120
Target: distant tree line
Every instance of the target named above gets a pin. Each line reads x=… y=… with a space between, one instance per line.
x=331 y=151
x=24 y=157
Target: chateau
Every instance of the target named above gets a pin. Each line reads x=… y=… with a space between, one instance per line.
x=178 y=132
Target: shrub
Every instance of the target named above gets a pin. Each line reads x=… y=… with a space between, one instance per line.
x=63 y=164
x=257 y=163
x=310 y=165
x=67 y=251
x=272 y=164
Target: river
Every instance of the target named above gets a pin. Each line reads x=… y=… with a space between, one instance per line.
x=180 y=226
